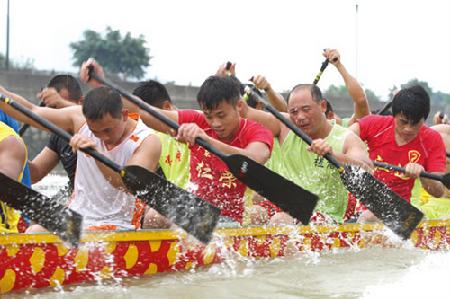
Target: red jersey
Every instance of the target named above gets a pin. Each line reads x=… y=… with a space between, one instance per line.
x=214 y=182
x=427 y=149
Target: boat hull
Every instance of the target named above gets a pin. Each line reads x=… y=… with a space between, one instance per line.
x=41 y=260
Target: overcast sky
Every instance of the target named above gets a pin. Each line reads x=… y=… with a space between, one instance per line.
x=385 y=43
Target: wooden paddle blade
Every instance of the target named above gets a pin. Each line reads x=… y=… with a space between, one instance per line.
x=50 y=214
x=193 y=214
x=291 y=198
x=395 y=212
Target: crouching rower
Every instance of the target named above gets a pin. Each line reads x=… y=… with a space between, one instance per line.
x=101 y=123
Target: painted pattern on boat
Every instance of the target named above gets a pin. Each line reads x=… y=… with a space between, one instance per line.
x=41 y=260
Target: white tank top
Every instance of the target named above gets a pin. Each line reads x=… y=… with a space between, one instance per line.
x=95 y=198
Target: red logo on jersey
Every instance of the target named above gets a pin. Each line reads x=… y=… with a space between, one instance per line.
x=413 y=156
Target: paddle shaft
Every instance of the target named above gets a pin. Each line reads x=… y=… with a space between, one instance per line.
x=385 y=108
x=424 y=174
x=61 y=133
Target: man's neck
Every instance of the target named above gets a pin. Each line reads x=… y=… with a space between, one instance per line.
x=323 y=132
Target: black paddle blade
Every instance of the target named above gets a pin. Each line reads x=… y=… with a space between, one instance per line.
x=50 y=214
x=291 y=198
x=193 y=214
x=395 y=212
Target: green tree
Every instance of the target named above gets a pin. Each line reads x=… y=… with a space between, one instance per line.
x=125 y=56
x=340 y=92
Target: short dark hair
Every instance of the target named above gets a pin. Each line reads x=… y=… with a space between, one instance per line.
x=413 y=102
x=102 y=101
x=152 y=92
x=316 y=94
x=217 y=89
x=68 y=82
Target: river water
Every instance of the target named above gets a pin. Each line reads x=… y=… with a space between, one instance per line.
x=370 y=273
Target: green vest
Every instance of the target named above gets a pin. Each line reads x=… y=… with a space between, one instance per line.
x=432 y=207
x=174 y=160
x=314 y=173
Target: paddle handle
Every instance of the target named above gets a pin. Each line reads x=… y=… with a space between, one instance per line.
x=322 y=68
x=148 y=108
x=423 y=174
x=290 y=125
x=60 y=132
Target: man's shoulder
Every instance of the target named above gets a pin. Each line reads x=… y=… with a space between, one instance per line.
x=429 y=134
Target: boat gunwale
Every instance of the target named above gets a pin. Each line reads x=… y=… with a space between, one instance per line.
x=165 y=234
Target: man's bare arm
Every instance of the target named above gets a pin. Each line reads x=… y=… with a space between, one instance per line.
x=12 y=157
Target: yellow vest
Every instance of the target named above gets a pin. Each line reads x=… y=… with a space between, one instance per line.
x=9 y=218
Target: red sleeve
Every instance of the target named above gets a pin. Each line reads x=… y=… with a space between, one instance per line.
x=370 y=125
x=255 y=132
x=191 y=116
x=436 y=152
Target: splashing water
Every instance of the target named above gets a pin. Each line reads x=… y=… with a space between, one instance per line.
x=354 y=273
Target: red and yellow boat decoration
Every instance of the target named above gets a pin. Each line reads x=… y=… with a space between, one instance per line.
x=41 y=260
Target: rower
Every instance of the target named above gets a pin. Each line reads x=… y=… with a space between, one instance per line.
x=13 y=156
x=103 y=124
x=61 y=91
x=403 y=139
x=305 y=164
x=174 y=160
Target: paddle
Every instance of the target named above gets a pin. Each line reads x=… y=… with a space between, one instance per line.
x=293 y=199
x=385 y=108
x=394 y=211
x=50 y=214
x=322 y=68
x=193 y=214
x=445 y=178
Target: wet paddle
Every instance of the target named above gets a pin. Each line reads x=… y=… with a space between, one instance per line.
x=444 y=178
x=194 y=215
x=293 y=199
x=55 y=217
x=394 y=211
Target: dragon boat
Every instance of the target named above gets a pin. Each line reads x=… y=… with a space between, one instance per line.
x=29 y=261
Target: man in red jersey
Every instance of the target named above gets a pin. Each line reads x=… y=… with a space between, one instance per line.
x=220 y=125
x=404 y=140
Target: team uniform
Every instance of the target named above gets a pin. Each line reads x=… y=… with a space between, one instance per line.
x=101 y=204
x=313 y=172
x=9 y=218
x=210 y=178
x=174 y=160
x=427 y=149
